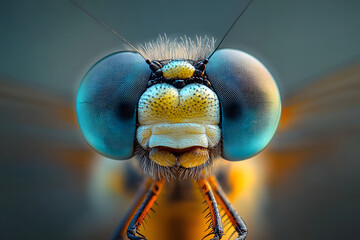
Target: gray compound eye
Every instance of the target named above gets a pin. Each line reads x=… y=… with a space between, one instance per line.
x=107 y=100
x=250 y=102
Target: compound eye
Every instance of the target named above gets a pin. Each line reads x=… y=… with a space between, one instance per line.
x=107 y=101
x=250 y=102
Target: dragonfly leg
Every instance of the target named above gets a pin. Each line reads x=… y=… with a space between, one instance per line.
x=124 y=223
x=217 y=227
x=144 y=209
x=230 y=211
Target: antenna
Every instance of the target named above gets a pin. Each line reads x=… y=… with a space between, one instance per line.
x=107 y=27
x=232 y=25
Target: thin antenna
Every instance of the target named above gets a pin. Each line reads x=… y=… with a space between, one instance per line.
x=232 y=25
x=107 y=27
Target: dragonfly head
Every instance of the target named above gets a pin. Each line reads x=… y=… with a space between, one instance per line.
x=179 y=123
x=179 y=114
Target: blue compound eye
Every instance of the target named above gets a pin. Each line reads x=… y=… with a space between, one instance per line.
x=107 y=100
x=250 y=102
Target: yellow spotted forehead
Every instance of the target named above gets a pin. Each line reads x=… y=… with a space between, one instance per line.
x=195 y=103
x=178 y=69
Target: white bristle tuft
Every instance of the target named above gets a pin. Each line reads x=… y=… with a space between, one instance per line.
x=182 y=48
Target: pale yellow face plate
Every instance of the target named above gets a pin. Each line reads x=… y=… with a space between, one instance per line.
x=178 y=135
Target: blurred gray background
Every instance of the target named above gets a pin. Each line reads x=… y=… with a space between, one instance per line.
x=47 y=46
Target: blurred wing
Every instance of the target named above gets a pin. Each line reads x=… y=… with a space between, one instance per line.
x=38 y=126
x=312 y=164
x=316 y=121
x=44 y=164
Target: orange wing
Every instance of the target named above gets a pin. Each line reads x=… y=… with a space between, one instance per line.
x=316 y=121
x=44 y=164
x=311 y=166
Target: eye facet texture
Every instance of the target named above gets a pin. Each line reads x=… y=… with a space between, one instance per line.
x=107 y=100
x=250 y=102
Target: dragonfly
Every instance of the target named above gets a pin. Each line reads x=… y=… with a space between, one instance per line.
x=292 y=112
x=178 y=107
